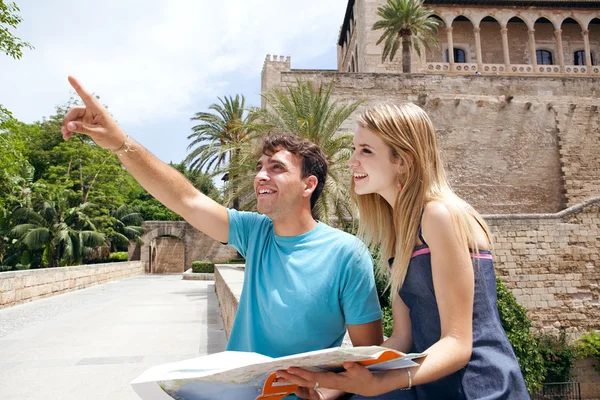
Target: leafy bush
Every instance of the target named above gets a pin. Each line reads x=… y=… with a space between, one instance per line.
x=237 y=261
x=388 y=321
x=203 y=267
x=588 y=345
x=558 y=358
x=118 y=256
x=517 y=326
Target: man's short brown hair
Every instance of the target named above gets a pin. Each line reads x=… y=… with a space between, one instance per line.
x=313 y=158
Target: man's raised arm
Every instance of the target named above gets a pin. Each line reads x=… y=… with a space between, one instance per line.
x=161 y=180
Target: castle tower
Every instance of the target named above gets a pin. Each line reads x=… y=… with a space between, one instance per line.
x=271 y=72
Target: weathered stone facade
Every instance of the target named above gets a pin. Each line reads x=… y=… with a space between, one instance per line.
x=551 y=264
x=168 y=255
x=500 y=37
x=511 y=144
x=175 y=245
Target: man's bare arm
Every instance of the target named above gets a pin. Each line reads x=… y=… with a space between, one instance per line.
x=369 y=334
x=161 y=180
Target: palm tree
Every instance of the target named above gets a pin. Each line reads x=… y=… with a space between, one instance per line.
x=217 y=139
x=310 y=113
x=127 y=226
x=61 y=234
x=406 y=22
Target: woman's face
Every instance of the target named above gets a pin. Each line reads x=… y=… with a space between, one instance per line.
x=373 y=168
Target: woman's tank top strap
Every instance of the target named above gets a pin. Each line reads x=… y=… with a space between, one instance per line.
x=420 y=229
x=420 y=232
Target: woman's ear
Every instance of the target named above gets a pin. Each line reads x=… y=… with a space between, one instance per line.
x=405 y=162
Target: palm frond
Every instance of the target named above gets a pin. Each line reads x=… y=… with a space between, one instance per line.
x=410 y=18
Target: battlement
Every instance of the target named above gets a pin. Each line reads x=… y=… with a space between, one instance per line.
x=279 y=61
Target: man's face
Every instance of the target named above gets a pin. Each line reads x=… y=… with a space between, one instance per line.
x=278 y=184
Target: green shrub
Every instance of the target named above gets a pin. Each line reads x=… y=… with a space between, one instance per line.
x=203 y=267
x=517 y=326
x=237 y=261
x=118 y=256
x=558 y=358
x=588 y=345
x=388 y=321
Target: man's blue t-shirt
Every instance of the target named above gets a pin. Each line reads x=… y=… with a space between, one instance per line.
x=299 y=292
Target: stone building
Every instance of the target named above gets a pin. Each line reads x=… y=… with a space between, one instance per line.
x=520 y=140
x=548 y=37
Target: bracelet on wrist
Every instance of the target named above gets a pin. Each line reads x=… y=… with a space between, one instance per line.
x=124 y=148
x=409 y=380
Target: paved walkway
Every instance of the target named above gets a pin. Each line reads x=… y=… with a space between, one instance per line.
x=91 y=343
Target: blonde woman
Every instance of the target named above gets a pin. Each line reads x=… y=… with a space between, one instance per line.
x=440 y=265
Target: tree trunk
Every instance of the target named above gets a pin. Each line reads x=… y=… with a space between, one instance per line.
x=236 y=200
x=406 y=61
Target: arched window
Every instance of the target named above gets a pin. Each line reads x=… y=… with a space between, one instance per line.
x=544 y=57
x=579 y=57
x=459 y=56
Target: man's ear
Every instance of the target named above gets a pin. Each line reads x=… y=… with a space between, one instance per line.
x=310 y=184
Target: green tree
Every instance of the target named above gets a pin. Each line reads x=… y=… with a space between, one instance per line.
x=10 y=45
x=219 y=137
x=14 y=167
x=408 y=23
x=126 y=227
x=62 y=234
x=310 y=113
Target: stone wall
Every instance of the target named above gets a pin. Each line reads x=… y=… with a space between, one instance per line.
x=229 y=281
x=198 y=246
x=170 y=255
x=551 y=263
x=358 y=41
x=583 y=372
x=510 y=144
x=23 y=286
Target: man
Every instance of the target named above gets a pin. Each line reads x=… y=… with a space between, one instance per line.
x=305 y=282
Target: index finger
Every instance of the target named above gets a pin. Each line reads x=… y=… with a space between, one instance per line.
x=87 y=98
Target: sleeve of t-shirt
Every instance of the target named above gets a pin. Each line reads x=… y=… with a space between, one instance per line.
x=360 y=302
x=241 y=224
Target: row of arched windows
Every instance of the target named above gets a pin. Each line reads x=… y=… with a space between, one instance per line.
x=543 y=57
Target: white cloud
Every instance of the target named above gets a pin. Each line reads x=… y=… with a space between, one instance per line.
x=151 y=60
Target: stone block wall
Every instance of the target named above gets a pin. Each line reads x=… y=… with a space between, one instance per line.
x=551 y=263
x=198 y=246
x=578 y=126
x=229 y=281
x=359 y=40
x=584 y=372
x=18 y=287
x=510 y=144
x=170 y=255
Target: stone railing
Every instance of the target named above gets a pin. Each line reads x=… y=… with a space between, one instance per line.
x=513 y=69
x=465 y=68
x=520 y=69
x=229 y=280
x=435 y=67
x=493 y=68
x=23 y=286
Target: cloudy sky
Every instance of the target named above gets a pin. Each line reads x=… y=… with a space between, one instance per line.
x=156 y=63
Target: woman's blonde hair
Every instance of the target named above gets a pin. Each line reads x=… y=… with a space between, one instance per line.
x=409 y=133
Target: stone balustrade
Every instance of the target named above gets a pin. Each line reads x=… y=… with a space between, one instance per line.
x=18 y=287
